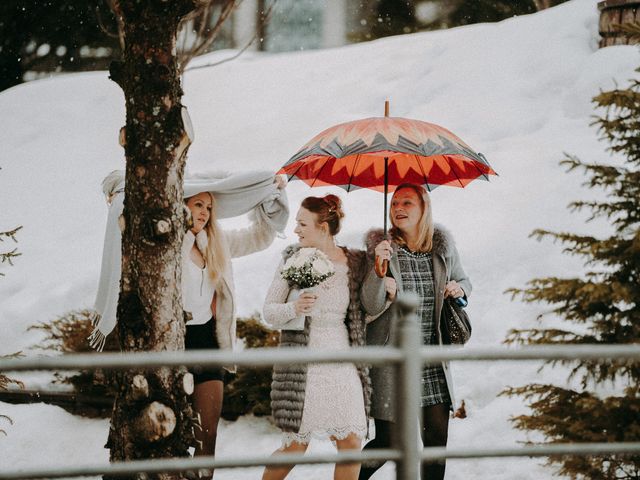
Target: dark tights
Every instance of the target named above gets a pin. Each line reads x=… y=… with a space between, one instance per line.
x=384 y=431
x=434 y=432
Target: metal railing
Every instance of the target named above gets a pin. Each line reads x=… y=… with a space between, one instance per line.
x=408 y=355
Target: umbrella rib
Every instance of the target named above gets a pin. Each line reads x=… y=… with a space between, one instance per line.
x=319 y=172
x=457 y=177
x=426 y=179
x=355 y=165
x=486 y=177
x=300 y=164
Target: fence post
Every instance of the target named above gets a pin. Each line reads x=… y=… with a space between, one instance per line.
x=408 y=392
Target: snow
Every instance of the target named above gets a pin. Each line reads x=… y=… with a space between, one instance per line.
x=519 y=91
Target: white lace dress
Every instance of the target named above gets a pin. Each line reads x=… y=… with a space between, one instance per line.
x=333 y=402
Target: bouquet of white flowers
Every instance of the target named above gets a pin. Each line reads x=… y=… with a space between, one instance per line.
x=307 y=268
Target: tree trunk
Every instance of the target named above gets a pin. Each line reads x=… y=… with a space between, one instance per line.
x=152 y=417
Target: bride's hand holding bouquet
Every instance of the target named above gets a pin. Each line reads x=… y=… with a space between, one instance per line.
x=304 y=270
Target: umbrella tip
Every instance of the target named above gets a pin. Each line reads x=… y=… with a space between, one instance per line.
x=386 y=108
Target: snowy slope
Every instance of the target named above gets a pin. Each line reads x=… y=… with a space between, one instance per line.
x=519 y=91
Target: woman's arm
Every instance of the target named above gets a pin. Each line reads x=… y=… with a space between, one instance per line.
x=373 y=293
x=271 y=215
x=252 y=239
x=275 y=311
x=457 y=273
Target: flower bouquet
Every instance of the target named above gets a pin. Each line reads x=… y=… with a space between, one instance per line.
x=304 y=270
x=307 y=268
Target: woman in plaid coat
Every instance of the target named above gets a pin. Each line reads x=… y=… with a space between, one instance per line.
x=422 y=259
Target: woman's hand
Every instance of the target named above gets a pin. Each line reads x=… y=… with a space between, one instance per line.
x=305 y=303
x=452 y=289
x=280 y=181
x=383 y=250
x=391 y=288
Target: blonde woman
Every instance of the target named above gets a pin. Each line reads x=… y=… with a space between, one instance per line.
x=207 y=273
x=422 y=259
x=208 y=300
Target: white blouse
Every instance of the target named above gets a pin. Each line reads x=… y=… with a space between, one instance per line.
x=198 y=287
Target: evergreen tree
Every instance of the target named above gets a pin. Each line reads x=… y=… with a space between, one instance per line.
x=7 y=257
x=393 y=17
x=49 y=36
x=480 y=11
x=603 y=305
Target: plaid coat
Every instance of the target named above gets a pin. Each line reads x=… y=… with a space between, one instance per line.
x=380 y=331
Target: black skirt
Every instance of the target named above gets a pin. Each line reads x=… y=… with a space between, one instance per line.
x=203 y=337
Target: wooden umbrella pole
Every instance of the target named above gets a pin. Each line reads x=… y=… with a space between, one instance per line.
x=386 y=173
x=386 y=190
x=382 y=265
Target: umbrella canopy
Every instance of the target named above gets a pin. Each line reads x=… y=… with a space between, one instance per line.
x=352 y=155
x=381 y=153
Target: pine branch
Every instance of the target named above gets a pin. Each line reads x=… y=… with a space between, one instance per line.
x=10 y=234
x=9 y=256
x=545 y=336
x=6 y=381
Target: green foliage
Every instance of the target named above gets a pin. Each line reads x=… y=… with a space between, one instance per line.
x=68 y=333
x=6 y=381
x=9 y=255
x=564 y=415
x=50 y=36
x=393 y=18
x=480 y=11
x=247 y=391
x=603 y=304
x=4 y=385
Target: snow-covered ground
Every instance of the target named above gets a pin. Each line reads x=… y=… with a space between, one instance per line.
x=518 y=91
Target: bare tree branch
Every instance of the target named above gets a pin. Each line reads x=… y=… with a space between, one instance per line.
x=206 y=35
x=103 y=26
x=266 y=16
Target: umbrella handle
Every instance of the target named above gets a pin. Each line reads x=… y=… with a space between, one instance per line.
x=381 y=267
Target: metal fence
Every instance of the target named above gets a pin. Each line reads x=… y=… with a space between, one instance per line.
x=408 y=355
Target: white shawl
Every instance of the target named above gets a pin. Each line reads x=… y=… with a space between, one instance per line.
x=235 y=195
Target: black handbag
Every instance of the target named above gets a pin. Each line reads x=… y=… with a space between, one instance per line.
x=454 y=323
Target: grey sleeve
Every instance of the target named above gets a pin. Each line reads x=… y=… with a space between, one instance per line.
x=457 y=273
x=373 y=293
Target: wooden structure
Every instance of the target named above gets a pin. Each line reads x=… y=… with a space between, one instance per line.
x=614 y=13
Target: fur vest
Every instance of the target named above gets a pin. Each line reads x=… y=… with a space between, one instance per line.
x=289 y=381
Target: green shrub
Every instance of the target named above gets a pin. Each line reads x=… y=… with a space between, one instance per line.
x=4 y=384
x=68 y=334
x=247 y=391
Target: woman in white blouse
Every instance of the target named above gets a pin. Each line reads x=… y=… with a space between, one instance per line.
x=208 y=298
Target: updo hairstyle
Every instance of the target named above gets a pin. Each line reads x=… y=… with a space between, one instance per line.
x=328 y=209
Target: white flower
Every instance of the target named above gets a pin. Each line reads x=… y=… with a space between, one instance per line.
x=307 y=267
x=321 y=266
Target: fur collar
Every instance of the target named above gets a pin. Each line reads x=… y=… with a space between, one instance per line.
x=442 y=240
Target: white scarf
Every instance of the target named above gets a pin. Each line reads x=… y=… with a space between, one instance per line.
x=234 y=195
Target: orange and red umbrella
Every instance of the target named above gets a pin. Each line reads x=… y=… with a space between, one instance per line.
x=352 y=155
x=381 y=153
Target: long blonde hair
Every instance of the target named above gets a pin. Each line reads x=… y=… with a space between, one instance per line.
x=214 y=254
x=425 y=230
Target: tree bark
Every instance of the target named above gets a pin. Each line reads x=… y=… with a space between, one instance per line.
x=152 y=417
